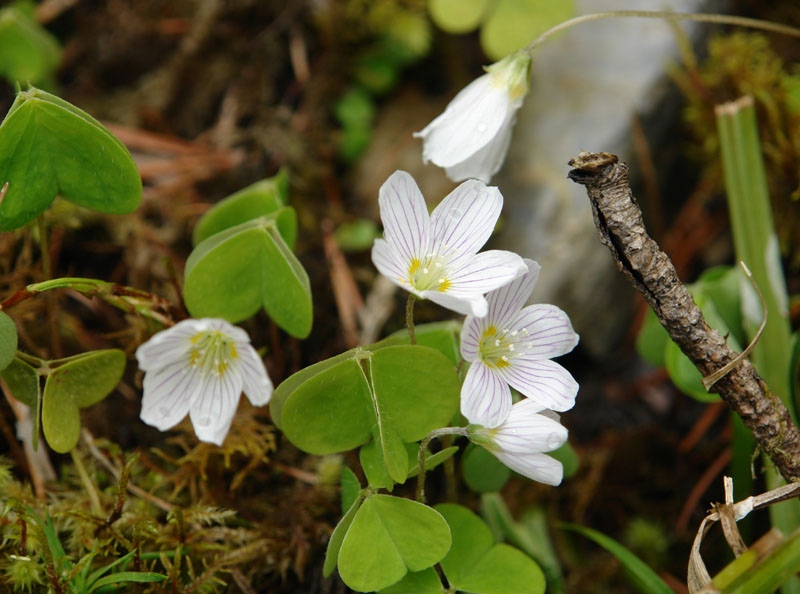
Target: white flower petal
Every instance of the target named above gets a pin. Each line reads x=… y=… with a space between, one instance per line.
x=233 y=332
x=484 y=272
x=406 y=223
x=467 y=304
x=546 y=382
x=539 y=467
x=506 y=302
x=200 y=367
x=527 y=432
x=213 y=410
x=485 y=398
x=471 y=333
x=470 y=121
x=255 y=381
x=388 y=262
x=487 y=161
x=531 y=406
x=465 y=219
x=549 y=332
x=168 y=345
x=169 y=393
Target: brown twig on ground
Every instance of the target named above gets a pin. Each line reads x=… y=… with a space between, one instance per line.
x=345 y=290
x=619 y=222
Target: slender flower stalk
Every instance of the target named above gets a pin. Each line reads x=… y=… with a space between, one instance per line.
x=200 y=367
x=412 y=338
x=436 y=256
x=720 y=19
x=512 y=346
x=423 y=451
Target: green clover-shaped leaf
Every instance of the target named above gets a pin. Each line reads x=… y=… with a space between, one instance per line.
x=389 y=537
x=395 y=394
x=28 y=52
x=8 y=340
x=476 y=564
x=256 y=200
x=417 y=582
x=81 y=382
x=49 y=147
x=236 y=272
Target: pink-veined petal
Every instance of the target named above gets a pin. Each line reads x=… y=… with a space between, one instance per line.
x=169 y=393
x=485 y=398
x=471 y=120
x=527 y=432
x=538 y=467
x=484 y=272
x=255 y=382
x=487 y=161
x=406 y=223
x=506 y=302
x=549 y=332
x=465 y=219
x=213 y=410
x=546 y=382
x=390 y=264
x=471 y=333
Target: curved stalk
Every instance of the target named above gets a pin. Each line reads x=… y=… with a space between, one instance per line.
x=720 y=19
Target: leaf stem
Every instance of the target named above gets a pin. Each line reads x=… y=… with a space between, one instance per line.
x=39 y=364
x=721 y=19
x=423 y=449
x=412 y=338
x=127 y=299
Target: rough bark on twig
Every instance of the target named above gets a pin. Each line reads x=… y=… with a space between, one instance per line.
x=621 y=227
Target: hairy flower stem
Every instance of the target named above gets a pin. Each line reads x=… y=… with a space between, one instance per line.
x=721 y=19
x=621 y=227
x=423 y=449
x=412 y=338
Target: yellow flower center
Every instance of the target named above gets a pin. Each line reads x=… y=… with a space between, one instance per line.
x=498 y=348
x=212 y=351
x=429 y=274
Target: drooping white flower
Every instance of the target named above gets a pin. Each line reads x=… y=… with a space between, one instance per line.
x=436 y=256
x=519 y=442
x=200 y=367
x=512 y=346
x=470 y=139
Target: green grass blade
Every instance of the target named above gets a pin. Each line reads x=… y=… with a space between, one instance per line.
x=644 y=579
x=756 y=244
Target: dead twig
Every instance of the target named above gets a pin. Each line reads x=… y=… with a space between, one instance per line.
x=619 y=222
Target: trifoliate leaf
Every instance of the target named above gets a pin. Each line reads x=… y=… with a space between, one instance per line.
x=236 y=272
x=81 y=382
x=49 y=147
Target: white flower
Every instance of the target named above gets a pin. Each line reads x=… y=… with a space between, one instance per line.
x=435 y=256
x=512 y=345
x=200 y=367
x=470 y=139
x=520 y=440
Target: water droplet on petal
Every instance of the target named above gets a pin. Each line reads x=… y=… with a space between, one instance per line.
x=204 y=422
x=482 y=127
x=163 y=411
